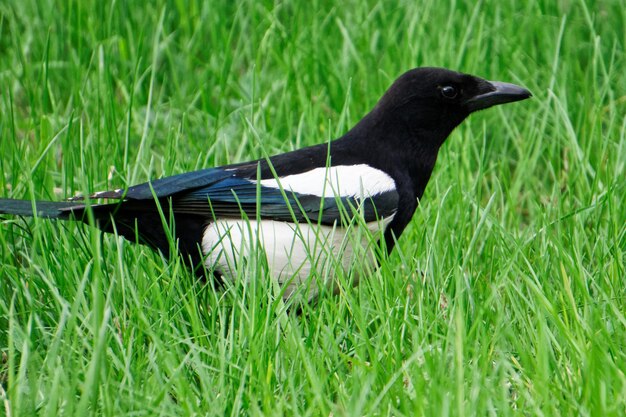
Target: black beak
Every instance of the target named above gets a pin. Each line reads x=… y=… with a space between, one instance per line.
x=500 y=93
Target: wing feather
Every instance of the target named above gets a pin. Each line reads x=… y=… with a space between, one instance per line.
x=221 y=193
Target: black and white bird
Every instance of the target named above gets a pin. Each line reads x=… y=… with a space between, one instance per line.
x=296 y=205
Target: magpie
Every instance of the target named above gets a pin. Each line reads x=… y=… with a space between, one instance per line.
x=294 y=202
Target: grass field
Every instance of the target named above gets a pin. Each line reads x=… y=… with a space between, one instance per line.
x=505 y=296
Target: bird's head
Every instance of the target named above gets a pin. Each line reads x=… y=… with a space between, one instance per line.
x=428 y=103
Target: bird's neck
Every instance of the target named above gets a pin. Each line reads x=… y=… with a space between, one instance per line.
x=402 y=150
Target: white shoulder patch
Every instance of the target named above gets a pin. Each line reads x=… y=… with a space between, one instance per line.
x=360 y=181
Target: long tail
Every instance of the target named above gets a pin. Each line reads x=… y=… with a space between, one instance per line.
x=137 y=221
x=48 y=209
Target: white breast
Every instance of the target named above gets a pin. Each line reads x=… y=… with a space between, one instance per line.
x=302 y=254
x=296 y=254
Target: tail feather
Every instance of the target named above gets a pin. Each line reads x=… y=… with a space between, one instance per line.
x=48 y=209
x=137 y=221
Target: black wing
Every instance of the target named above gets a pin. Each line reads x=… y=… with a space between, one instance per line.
x=193 y=200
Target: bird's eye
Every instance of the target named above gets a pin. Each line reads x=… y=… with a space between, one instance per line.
x=449 y=91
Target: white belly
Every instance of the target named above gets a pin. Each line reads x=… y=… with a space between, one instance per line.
x=296 y=254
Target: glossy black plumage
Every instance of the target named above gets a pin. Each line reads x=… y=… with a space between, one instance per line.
x=400 y=137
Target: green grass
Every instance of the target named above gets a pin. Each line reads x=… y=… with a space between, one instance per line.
x=505 y=296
